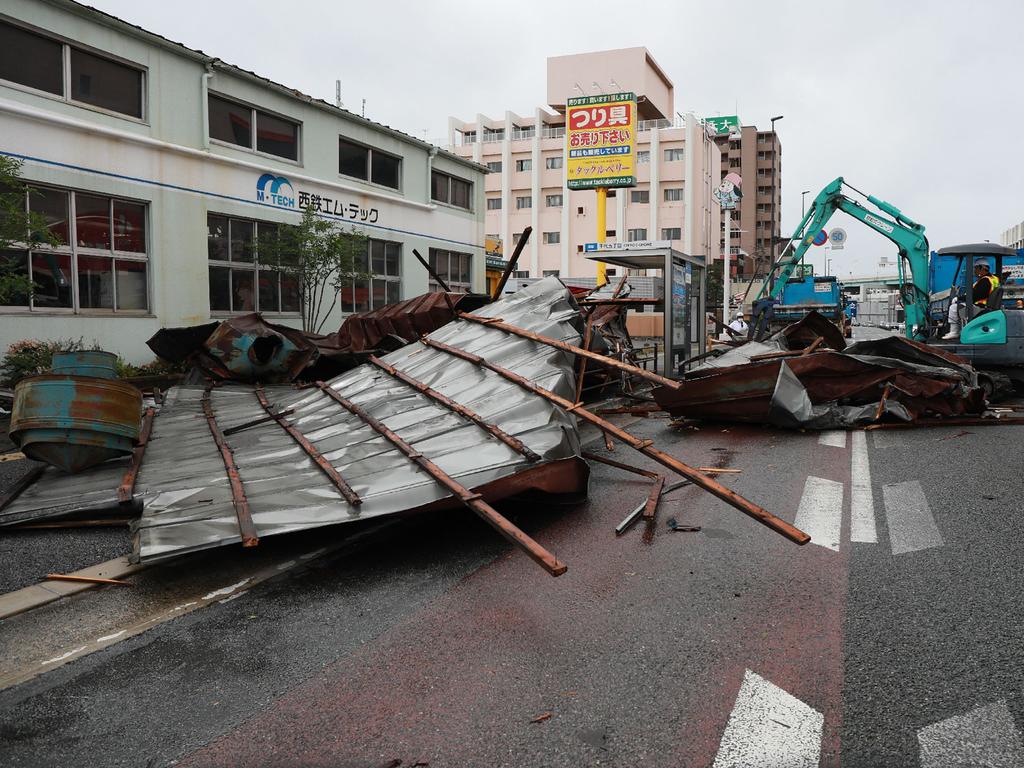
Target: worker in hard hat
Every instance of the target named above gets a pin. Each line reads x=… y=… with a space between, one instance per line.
x=739 y=324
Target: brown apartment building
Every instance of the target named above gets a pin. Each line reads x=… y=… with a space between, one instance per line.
x=750 y=155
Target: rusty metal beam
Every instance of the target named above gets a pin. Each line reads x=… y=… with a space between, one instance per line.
x=246 y=527
x=311 y=450
x=431 y=272
x=472 y=500
x=619 y=465
x=26 y=480
x=651 y=508
x=126 y=490
x=514 y=443
x=513 y=260
x=643 y=446
x=557 y=344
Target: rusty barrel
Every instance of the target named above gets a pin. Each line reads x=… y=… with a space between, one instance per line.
x=87 y=362
x=75 y=422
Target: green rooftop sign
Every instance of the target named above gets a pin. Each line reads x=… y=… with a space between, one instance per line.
x=729 y=124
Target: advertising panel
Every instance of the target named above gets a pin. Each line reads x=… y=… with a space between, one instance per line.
x=600 y=139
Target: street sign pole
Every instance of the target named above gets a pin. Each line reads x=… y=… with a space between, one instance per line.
x=726 y=259
x=602 y=218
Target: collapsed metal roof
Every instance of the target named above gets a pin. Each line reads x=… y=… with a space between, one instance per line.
x=190 y=501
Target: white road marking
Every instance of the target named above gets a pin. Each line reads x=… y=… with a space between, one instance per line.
x=63 y=656
x=820 y=513
x=770 y=728
x=862 y=505
x=226 y=590
x=232 y=597
x=985 y=736
x=911 y=525
x=833 y=437
x=105 y=638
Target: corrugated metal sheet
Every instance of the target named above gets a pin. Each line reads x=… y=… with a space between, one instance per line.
x=188 y=501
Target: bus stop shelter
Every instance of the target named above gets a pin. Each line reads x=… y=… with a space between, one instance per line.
x=684 y=300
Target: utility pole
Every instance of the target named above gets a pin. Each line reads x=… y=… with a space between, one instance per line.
x=726 y=268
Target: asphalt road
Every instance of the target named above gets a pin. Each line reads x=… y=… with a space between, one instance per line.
x=436 y=643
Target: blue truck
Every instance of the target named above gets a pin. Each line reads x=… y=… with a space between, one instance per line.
x=800 y=295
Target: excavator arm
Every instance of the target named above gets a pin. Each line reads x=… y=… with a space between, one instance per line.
x=889 y=222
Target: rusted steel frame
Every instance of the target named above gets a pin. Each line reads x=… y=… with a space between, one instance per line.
x=881 y=403
x=127 y=487
x=633 y=516
x=776 y=355
x=472 y=500
x=619 y=287
x=644 y=446
x=812 y=346
x=610 y=362
x=619 y=465
x=651 y=508
x=311 y=450
x=626 y=302
x=587 y=333
x=256 y=422
x=512 y=262
x=431 y=272
x=246 y=527
x=16 y=490
x=633 y=410
x=514 y=443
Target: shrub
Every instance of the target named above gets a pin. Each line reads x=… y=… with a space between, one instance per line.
x=31 y=357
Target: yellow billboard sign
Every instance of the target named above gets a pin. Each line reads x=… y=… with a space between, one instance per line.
x=600 y=134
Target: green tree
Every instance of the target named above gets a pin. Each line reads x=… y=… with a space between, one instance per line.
x=17 y=228
x=323 y=258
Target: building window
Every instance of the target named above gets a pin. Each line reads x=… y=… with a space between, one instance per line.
x=552 y=238
x=524 y=165
x=552 y=163
x=636 y=235
x=494 y=166
x=675 y=153
x=672 y=233
x=101 y=262
x=550 y=273
x=639 y=196
x=232 y=123
x=454 y=268
x=673 y=194
x=520 y=273
x=239 y=282
x=494 y=204
x=368 y=164
x=450 y=189
x=525 y=201
x=39 y=62
x=553 y=201
x=643 y=156
x=384 y=261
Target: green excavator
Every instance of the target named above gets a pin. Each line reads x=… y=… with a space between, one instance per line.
x=992 y=338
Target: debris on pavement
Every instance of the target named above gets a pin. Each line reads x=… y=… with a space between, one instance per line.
x=86 y=579
x=674 y=525
x=541 y=718
x=478 y=410
x=833 y=386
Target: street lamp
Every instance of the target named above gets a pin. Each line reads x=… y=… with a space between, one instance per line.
x=803 y=202
x=774 y=236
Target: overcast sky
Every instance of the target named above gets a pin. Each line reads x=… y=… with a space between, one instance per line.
x=918 y=103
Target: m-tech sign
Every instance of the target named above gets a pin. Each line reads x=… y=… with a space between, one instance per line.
x=601 y=141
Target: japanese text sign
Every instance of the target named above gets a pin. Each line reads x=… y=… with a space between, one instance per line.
x=601 y=141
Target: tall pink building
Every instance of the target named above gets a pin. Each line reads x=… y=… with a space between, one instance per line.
x=678 y=167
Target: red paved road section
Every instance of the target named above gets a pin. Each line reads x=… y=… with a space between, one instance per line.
x=637 y=652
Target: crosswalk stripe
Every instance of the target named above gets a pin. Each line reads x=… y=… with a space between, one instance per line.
x=833 y=437
x=820 y=513
x=985 y=736
x=862 y=505
x=770 y=728
x=911 y=524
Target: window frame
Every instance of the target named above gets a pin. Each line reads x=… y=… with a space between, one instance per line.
x=371 y=151
x=253 y=110
x=491 y=207
x=447 y=202
x=72 y=250
x=524 y=202
x=640 y=196
x=673 y=150
x=548 y=166
x=434 y=287
x=524 y=165
x=549 y=204
x=631 y=239
x=666 y=231
x=384 y=277
x=546 y=238
x=253 y=266
x=65 y=62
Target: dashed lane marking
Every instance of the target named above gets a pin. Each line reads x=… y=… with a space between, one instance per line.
x=862 y=504
x=770 y=728
x=985 y=736
x=911 y=524
x=834 y=437
x=820 y=513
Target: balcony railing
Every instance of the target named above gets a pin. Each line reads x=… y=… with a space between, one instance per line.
x=553 y=133
x=650 y=125
x=521 y=134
